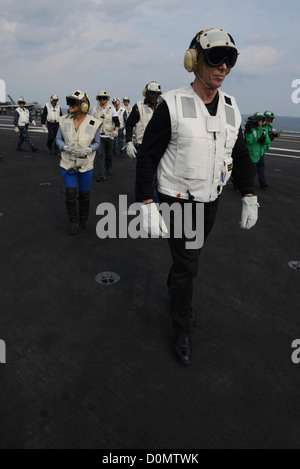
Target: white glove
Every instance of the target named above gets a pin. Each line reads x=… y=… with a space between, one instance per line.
x=153 y=222
x=33 y=123
x=249 y=212
x=81 y=151
x=44 y=128
x=17 y=130
x=68 y=148
x=131 y=150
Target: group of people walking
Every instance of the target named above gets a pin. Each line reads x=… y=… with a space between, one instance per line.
x=187 y=144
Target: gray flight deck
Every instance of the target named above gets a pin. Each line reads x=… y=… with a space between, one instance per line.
x=90 y=365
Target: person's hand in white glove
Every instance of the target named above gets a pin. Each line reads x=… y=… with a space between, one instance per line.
x=33 y=123
x=68 y=148
x=81 y=152
x=153 y=222
x=131 y=150
x=250 y=207
x=44 y=128
x=17 y=130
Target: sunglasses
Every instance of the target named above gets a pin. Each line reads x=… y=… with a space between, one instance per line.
x=218 y=55
x=72 y=102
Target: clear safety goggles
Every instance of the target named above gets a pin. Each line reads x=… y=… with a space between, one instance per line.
x=218 y=55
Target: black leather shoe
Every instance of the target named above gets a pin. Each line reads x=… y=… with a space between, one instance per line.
x=182 y=348
x=34 y=149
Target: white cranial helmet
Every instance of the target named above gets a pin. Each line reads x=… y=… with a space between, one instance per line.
x=102 y=94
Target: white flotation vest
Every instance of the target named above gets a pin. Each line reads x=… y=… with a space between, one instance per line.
x=128 y=110
x=53 y=113
x=120 y=113
x=105 y=117
x=23 y=116
x=197 y=162
x=146 y=114
x=82 y=138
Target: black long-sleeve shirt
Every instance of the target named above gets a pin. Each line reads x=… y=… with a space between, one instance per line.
x=131 y=122
x=156 y=139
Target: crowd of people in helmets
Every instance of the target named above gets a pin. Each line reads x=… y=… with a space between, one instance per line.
x=119 y=131
x=86 y=139
x=259 y=132
x=193 y=143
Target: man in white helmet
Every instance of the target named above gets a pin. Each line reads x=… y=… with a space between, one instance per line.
x=194 y=141
x=140 y=117
x=22 y=119
x=50 y=117
x=127 y=107
x=109 y=127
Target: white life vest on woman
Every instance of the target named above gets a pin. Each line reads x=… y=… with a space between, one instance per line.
x=82 y=138
x=105 y=117
x=146 y=114
x=53 y=113
x=23 y=116
x=198 y=161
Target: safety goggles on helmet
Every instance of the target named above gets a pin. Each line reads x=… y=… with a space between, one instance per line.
x=153 y=94
x=72 y=101
x=218 y=55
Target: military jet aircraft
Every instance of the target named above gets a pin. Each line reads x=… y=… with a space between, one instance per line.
x=11 y=104
x=34 y=106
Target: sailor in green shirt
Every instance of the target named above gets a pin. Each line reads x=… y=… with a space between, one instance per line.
x=257 y=141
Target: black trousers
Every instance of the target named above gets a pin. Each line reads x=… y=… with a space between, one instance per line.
x=52 y=131
x=185 y=265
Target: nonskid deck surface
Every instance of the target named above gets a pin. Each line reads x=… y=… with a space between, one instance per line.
x=90 y=365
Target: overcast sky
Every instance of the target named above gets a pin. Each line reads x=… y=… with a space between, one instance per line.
x=120 y=45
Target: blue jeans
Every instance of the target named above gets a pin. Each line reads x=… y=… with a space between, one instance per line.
x=24 y=137
x=259 y=168
x=103 y=159
x=119 y=142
